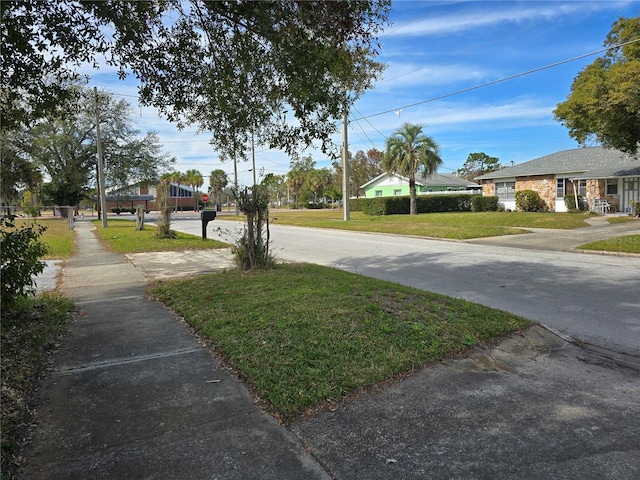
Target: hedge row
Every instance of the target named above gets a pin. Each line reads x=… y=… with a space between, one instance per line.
x=425 y=204
x=480 y=203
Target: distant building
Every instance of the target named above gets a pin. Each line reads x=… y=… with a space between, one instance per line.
x=145 y=195
x=597 y=173
x=394 y=185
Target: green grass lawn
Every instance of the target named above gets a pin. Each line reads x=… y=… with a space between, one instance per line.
x=624 y=244
x=303 y=335
x=57 y=236
x=459 y=225
x=625 y=219
x=121 y=236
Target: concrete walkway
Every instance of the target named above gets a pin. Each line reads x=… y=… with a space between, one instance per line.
x=133 y=395
x=564 y=240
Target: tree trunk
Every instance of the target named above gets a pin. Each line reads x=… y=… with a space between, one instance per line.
x=413 y=207
x=139 y=218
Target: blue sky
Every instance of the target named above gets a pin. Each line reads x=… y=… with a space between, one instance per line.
x=434 y=49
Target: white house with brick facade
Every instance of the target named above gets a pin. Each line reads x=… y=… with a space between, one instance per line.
x=596 y=173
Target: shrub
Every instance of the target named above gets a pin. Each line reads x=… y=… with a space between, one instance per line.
x=385 y=205
x=529 y=201
x=33 y=210
x=444 y=203
x=480 y=203
x=570 y=203
x=252 y=249
x=355 y=204
x=373 y=206
x=21 y=251
x=425 y=204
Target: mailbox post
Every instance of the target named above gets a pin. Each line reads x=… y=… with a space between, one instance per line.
x=206 y=216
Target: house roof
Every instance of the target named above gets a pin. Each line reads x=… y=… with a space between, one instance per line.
x=125 y=198
x=434 y=180
x=585 y=163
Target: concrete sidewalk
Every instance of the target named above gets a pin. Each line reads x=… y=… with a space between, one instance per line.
x=133 y=395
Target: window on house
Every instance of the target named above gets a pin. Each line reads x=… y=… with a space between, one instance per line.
x=612 y=186
x=559 y=187
x=582 y=187
x=506 y=190
x=378 y=193
x=397 y=192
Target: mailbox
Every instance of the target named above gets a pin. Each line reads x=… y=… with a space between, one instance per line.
x=206 y=216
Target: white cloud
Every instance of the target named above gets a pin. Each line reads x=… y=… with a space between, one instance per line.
x=523 y=110
x=411 y=75
x=514 y=12
x=442 y=116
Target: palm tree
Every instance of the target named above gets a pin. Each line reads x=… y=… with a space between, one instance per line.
x=218 y=180
x=409 y=150
x=163 y=226
x=194 y=179
x=295 y=181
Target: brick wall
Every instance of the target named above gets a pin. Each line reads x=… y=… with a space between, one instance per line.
x=488 y=188
x=545 y=185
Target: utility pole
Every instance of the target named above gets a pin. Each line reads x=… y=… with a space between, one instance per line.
x=102 y=193
x=345 y=167
x=253 y=158
x=235 y=181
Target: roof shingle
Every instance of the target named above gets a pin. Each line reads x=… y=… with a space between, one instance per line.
x=591 y=162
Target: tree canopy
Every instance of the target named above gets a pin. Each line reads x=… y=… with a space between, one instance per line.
x=604 y=103
x=44 y=41
x=218 y=180
x=63 y=146
x=282 y=71
x=18 y=172
x=362 y=168
x=478 y=164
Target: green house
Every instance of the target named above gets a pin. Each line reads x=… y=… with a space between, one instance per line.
x=394 y=185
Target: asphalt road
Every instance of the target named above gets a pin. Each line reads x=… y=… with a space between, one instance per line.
x=592 y=298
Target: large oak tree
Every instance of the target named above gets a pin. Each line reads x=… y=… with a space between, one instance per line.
x=63 y=146
x=282 y=71
x=604 y=103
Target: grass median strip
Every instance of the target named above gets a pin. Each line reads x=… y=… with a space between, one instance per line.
x=121 y=236
x=457 y=225
x=624 y=244
x=303 y=334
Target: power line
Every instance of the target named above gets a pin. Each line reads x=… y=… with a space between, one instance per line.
x=363 y=130
x=511 y=77
x=370 y=124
